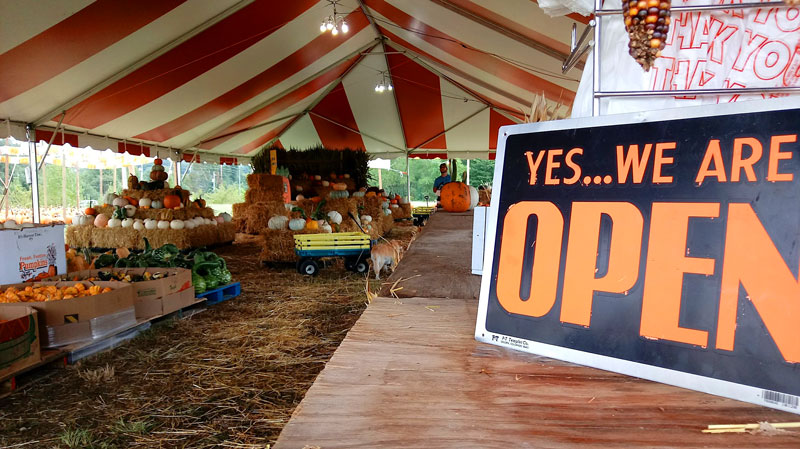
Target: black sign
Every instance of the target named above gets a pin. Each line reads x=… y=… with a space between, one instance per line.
x=665 y=248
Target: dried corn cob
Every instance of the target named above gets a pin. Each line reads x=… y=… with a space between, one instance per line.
x=647 y=24
x=792 y=2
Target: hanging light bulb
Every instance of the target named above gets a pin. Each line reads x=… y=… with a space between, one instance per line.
x=389 y=87
x=322 y=28
x=377 y=88
x=329 y=25
x=345 y=28
x=335 y=30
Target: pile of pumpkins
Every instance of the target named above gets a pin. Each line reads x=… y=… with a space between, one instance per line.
x=125 y=210
x=333 y=218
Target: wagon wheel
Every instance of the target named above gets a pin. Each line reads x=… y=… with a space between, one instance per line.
x=356 y=264
x=308 y=267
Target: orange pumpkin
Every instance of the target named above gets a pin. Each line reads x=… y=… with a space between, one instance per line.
x=456 y=197
x=90 y=211
x=316 y=199
x=131 y=200
x=157 y=161
x=172 y=201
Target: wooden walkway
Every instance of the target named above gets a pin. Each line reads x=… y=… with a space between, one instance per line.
x=411 y=375
x=439 y=263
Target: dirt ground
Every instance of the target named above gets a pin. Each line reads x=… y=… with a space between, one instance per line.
x=227 y=377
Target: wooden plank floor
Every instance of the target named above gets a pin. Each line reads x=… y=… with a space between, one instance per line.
x=411 y=375
x=439 y=262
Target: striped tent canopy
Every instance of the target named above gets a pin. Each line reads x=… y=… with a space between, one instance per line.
x=216 y=80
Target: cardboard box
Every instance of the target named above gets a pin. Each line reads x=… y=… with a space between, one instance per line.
x=80 y=319
x=32 y=253
x=19 y=339
x=149 y=295
x=149 y=308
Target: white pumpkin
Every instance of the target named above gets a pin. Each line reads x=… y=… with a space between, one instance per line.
x=198 y=221
x=130 y=210
x=335 y=217
x=212 y=222
x=326 y=228
x=110 y=197
x=145 y=202
x=127 y=223
x=189 y=224
x=77 y=219
x=325 y=183
x=151 y=224
x=366 y=219
x=278 y=222
x=288 y=206
x=394 y=206
x=297 y=224
x=10 y=224
x=226 y=216
x=387 y=212
x=163 y=224
x=220 y=219
x=404 y=200
x=157 y=168
x=176 y=224
x=119 y=202
x=114 y=223
x=87 y=220
x=358 y=194
x=138 y=225
x=473 y=197
x=299 y=197
x=156 y=204
x=299 y=188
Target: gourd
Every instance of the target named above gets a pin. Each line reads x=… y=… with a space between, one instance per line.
x=145 y=202
x=325 y=183
x=226 y=216
x=119 y=202
x=334 y=194
x=87 y=220
x=474 y=197
x=456 y=197
x=359 y=194
x=132 y=201
x=127 y=223
x=278 y=222
x=297 y=224
x=150 y=224
x=156 y=204
x=133 y=182
x=172 y=201
x=335 y=217
x=200 y=202
x=130 y=210
x=162 y=224
x=317 y=177
x=110 y=197
x=220 y=219
x=339 y=186
x=326 y=228
x=101 y=220
x=176 y=224
x=366 y=219
x=299 y=197
x=10 y=224
x=138 y=225
x=387 y=212
x=312 y=225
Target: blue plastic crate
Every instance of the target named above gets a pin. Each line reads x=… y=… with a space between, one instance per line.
x=220 y=294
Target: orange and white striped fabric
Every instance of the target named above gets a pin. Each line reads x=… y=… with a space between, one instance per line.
x=223 y=78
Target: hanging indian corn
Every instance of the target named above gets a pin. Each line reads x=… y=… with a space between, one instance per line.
x=647 y=24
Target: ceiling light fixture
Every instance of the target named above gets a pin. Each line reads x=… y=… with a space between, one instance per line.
x=384 y=84
x=335 y=22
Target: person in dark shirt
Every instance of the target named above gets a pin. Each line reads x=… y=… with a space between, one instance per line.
x=439 y=182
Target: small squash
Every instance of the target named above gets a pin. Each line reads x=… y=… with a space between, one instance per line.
x=278 y=222
x=176 y=224
x=335 y=217
x=297 y=224
x=172 y=201
x=312 y=225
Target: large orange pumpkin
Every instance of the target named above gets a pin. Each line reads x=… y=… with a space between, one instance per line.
x=172 y=201
x=456 y=197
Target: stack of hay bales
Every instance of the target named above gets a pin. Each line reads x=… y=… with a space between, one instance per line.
x=263 y=199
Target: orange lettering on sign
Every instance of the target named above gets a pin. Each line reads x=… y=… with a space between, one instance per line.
x=534 y=165
x=752 y=261
x=630 y=161
x=713 y=154
x=551 y=164
x=660 y=160
x=576 y=169
x=738 y=164
x=665 y=266
x=546 y=260
x=776 y=155
x=580 y=282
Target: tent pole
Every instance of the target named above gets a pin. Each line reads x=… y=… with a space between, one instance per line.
x=63 y=184
x=7 y=185
x=408 y=179
x=115 y=179
x=44 y=181
x=380 y=179
x=78 y=188
x=102 y=195
x=30 y=133
x=467 y=172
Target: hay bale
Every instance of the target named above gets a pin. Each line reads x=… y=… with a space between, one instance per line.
x=388 y=224
x=79 y=236
x=401 y=212
x=265 y=182
x=256 y=216
x=115 y=238
x=278 y=246
x=239 y=209
x=226 y=232
x=262 y=196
